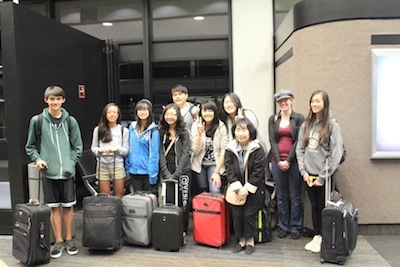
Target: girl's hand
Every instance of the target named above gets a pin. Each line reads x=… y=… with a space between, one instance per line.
x=239 y=114
x=111 y=150
x=102 y=150
x=316 y=183
x=195 y=111
x=283 y=165
x=306 y=178
x=200 y=126
x=216 y=179
x=243 y=192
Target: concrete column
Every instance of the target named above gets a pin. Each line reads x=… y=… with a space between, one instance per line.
x=253 y=57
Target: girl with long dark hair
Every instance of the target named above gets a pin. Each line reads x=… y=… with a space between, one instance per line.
x=110 y=138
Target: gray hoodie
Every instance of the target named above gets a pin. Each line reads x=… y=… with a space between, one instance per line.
x=312 y=157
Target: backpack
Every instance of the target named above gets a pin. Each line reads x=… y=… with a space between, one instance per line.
x=39 y=131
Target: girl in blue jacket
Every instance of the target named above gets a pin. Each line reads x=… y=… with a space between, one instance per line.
x=144 y=142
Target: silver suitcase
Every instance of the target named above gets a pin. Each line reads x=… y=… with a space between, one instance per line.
x=137 y=210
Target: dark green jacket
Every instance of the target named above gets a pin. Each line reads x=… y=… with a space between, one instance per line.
x=55 y=145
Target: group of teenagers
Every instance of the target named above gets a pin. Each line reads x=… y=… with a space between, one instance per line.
x=203 y=147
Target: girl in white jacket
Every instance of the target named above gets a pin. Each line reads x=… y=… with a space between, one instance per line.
x=209 y=139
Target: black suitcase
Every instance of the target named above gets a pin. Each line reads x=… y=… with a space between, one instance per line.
x=102 y=222
x=339 y=228
x=167 y=228
x=31 y=234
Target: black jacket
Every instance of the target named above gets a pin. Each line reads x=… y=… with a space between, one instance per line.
x=296 y=119
x=255 y=159
x=182 y=152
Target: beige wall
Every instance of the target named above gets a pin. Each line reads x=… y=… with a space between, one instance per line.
x=336 y=57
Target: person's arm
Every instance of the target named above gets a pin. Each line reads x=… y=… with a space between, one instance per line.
x=197 y=137
x=257 y=171
x=231 y=161
x=163 y=161
x=300 y=151
x=295 y=124
x=273 y=138
x=336 y=151
x=95 y=146
x=76 y=152
x=127 y=159
x=223 y=142
x=249 y=114
x=31 y=144
x=154 y=156
x=123 y=149
x=186 y=152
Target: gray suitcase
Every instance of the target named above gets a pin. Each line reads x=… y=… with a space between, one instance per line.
x=137 y=210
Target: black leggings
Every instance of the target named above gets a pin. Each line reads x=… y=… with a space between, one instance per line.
x=184 y=195
x=316 y=194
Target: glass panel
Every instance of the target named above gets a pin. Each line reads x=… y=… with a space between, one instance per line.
x=205 y=79
x=89 y=15
x=175 y=19
x=130 y=88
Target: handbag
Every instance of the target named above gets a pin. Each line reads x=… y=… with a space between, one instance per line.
x=230 y=194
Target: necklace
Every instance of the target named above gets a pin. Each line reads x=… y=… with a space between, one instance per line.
x=286 y=116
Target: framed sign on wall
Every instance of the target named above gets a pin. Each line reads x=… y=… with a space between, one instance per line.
x=385 y=143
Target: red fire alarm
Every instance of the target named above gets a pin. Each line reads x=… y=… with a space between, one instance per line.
x=81 y=91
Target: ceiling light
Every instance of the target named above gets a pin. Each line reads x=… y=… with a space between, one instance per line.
x=198 y=18
x=107 y=24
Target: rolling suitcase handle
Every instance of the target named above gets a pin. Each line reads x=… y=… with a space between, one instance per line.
x=94 y=192
x=36 y=202
x=164 y=191
x=329 y=184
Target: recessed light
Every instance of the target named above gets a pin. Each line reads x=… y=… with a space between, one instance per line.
x=198 y=18
x=107 y=24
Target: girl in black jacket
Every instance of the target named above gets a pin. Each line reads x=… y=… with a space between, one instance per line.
x=175 y=155
x=245 y=152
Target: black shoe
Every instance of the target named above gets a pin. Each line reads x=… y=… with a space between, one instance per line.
x=237 y=248
x=282 y=233
x=295 y=235
x=249 y=250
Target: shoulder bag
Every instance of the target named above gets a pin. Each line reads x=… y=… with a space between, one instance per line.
x=231 y=195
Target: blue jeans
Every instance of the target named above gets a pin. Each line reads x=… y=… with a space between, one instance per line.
x=288 y=188
x=203 y=179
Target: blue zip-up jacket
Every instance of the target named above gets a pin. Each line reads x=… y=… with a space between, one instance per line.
x=143 y=154
x=55 y=146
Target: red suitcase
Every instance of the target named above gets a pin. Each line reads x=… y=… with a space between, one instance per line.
x=210 y=219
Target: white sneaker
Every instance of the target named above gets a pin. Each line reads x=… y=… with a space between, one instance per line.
x=310 y=244
x=316 y=248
